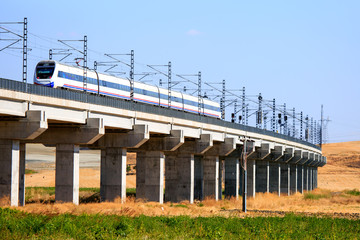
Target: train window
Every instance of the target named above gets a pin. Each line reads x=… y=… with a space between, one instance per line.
x=44 y=72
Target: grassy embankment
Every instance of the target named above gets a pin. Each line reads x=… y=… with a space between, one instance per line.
x=20 y=225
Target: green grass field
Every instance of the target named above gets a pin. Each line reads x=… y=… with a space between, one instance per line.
x=19 y=225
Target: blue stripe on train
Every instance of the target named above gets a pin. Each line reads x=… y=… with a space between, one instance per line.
x=139 y=100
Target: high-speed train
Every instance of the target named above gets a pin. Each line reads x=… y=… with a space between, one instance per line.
x=58 y=75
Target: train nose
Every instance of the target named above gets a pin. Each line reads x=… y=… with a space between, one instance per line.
x=46 y=83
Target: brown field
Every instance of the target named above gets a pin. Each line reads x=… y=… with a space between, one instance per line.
x=342 y=170
x=341 y=173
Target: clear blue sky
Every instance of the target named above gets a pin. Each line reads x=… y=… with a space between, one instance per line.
x=303 y=53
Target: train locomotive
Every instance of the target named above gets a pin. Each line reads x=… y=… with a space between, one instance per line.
x=58 y=75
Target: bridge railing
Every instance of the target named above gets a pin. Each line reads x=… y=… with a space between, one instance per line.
x=137 y=106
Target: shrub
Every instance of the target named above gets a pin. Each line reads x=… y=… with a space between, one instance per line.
x=353 y=192
x=313 y=196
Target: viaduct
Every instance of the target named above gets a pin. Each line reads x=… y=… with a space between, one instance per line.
x=182 y=150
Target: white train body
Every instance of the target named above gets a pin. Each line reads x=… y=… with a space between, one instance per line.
x=57 y=75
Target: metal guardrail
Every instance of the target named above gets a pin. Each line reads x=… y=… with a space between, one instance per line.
x=136 y=106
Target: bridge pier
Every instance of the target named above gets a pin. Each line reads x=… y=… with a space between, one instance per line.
x=251 y=178
x=293 y=178
x=309 y=166
x=300 y=179
x=232 y=175
x=198 y=178
x=306 y=178
x=22 y=174
x=179 y=176
x=150 y=165
x=113 y=160
x=184 y=171
x=275 y=177
x=211 y=173
x=12 y=158
x=212 y=167
x=262 y=176
x=67 y=140
x=67 y=173
x=9 y=170
x=311 y=178
x=296 y=173
x=303 y=157
x=257 y=169
x=316 y=177
x=150 y=176
x=285 y=178
x=113 y=174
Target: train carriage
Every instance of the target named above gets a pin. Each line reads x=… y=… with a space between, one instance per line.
x=57 y=75
x=146 y=93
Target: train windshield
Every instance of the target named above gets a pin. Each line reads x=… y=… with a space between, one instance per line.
x=44 y=72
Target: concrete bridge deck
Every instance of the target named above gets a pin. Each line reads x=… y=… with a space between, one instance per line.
x=185 y=149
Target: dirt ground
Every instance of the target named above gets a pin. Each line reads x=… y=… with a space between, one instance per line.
x=341 y=173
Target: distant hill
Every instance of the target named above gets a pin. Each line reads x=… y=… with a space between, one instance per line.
x=342 y=170
x=343 y=154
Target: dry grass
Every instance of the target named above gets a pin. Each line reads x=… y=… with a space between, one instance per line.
x=324 y=201
x=330 y=202
x=5 y=201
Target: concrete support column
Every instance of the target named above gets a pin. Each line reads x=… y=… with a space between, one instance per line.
x=113 y=174
x=22 y=175
x=179 y=177
x=232 y=177
x=293 y=178
x=285 y=179
x=211 y=177
x=251 y=178
x=306 y=178
x=262 y=176
x=198 y=178
x=221 y=169
x=311 y=178
x=300 y=179
x=150 y=175
x=9 y=170
x=275 y=177
x=67 y=173
x=316 y=177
